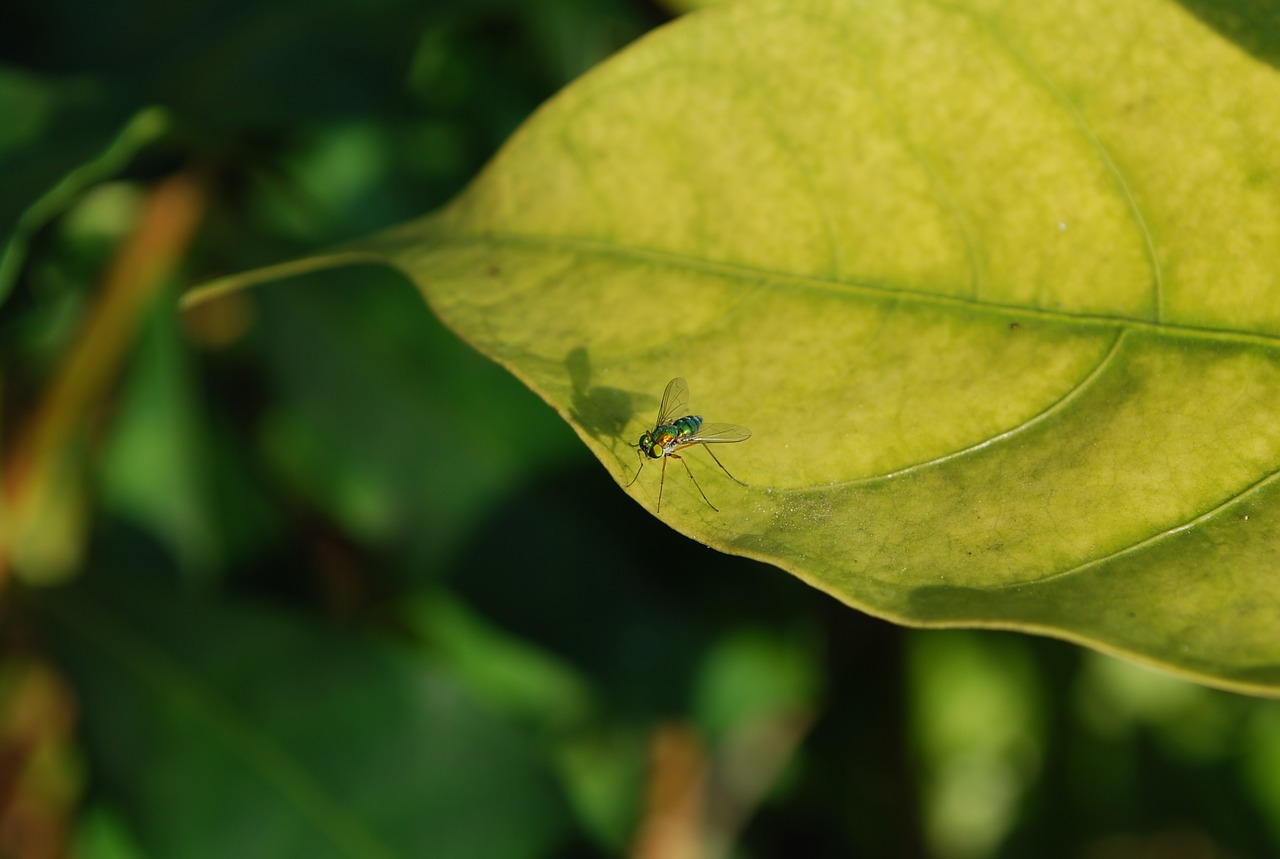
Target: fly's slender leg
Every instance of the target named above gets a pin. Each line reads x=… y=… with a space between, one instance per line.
x=640 y=469
x=691 y=477
x=725 y=470
x=662 y=482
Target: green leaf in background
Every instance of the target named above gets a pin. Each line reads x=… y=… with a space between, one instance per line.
x=59 y=137
x=340 y=369
x=234 y=731
x=993 y=284
x=153 y=468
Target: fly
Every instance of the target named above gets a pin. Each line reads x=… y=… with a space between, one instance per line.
x=676 y=430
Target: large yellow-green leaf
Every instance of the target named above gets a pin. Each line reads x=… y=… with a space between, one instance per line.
x=995 y=284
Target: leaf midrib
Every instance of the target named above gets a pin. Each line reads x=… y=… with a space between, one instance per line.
x=867 y=289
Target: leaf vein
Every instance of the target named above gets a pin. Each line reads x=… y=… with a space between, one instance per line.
x=1155 y=538
x=1041 y=77
x=869 y=289
x=1076 y=390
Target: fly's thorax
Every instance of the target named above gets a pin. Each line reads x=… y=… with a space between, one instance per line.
x=661 y=438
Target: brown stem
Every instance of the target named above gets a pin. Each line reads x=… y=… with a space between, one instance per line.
x=40 y=452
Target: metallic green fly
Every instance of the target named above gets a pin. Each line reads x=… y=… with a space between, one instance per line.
x=676 y=430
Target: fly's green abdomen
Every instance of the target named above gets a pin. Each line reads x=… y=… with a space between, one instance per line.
x=688 y=425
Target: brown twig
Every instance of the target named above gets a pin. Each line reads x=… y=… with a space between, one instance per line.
x=40 y=457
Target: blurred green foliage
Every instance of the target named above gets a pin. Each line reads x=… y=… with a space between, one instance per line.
x=344 y=588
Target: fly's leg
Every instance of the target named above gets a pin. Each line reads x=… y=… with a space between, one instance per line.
x=662 y=481
x=722 y=468
x=638 y=470
x=691 y=477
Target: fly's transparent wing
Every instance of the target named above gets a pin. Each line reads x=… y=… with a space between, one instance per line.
x=718 y=434
x=675 y=402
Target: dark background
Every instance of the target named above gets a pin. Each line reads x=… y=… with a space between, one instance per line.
x=332 y=584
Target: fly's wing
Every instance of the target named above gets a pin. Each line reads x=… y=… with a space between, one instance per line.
x=718 y=434
x=675 y=402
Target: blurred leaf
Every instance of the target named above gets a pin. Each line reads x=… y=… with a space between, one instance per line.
x=750 y=675
x=756 y=698
x=154 y=465
x=362 y=379
x=510 y=674
x=1001 y=309
x=43 y=532
x=43 y=776
x=979 y=733
x=59 y=138
x=1260 y=763
x=1197 y=724
x=603 y=774
x=623 y=601
x=224 y=730
x=552 y=603
x=102 y=835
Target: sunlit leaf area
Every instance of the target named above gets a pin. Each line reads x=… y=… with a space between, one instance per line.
x=318 y=568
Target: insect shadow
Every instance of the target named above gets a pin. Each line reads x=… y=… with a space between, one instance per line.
x=603 y=412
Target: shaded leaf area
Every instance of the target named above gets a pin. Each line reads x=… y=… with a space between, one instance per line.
x=228 y=729
x=998 y=307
